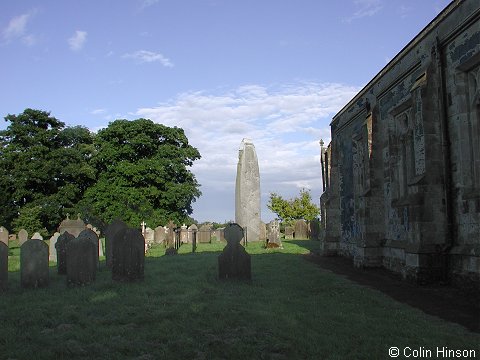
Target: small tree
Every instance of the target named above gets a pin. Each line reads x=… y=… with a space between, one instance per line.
x=300 y=207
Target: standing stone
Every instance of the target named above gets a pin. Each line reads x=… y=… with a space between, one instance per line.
x=22 y=237
x=128 y=255
x=52 y=251
x=110 y=231
x=74 y=227
x=82 y=260
x=247 y=191
x=4 y=235
x=234 y=261
x=34 y=264
x=3 y=266
x=273 y=234
x=301 y=229
x=159 y=235
x=91 y=236
x=61 y=247
x=37 y=236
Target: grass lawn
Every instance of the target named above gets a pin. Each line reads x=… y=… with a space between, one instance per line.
x=292 y=309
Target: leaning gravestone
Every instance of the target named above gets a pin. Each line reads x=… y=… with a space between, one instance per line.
x=110 y=231
x=3 y=235
x=82 y=260
x=22 y=237
x=128 y=261
x=34 y=264
x=93 y=238
x=234 y=261
x=3 y=266
x=52 y=251
x=61 y=247
x=301 y=229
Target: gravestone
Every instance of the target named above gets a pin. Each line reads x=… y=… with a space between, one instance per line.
x=204 y=234
x=315 y=229
x=192 y=232
x=184 y=234
x=263 y=231
x=301 y=229
x=234 y=261
x=128 y=255
x=37 y=236
x=149 y=236
x=61 y=247
x=91 y=236
x=159 y=235
x=74 y=227
x=4 y=235
x=247 y=190
x=170 y=239
x=22 y=237
x=273 y=237
x=3 y=266
x=82 y=260
x=52 y=251
x=289 y=230
x=34 y=264
x=110 y=231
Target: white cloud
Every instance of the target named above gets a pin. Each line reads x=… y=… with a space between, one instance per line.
x=17 y=29
x=77 y=41
x=145 y=56
x=365 y=8
x=98 y=111
x=284 y=123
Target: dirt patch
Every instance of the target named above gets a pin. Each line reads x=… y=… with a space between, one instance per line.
x=444 y=301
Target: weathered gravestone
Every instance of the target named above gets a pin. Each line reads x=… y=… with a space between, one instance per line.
x=37 y=236
x=93 y=238
x=289 y=230
x=315 y=229
x=159 y=235
x=82 y=260
x=110 y=232
x=149 y=236
x=22 y=237
x=184 y=234
x=234 y=261
x=192 y=236
x=301 y=229
x=221 y=234
x=204 y=234
x=52 y=251
x=128 y=255
x=170 y=239
x=273 y=234
x=3 y=266
x=34 y=264
x=3 y=235
x=74 y=227
x=263 y=231
x=61 y=247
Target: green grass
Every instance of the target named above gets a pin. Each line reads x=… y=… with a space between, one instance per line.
x=292 y=309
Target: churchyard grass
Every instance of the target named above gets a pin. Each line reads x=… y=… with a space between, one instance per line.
x=291 y=309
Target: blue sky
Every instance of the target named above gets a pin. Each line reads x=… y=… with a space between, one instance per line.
x=274 y=71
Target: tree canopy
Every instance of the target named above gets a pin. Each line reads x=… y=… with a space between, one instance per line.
x=45 y=169
x=134 y=170
x=142 y=173
x=300 y=207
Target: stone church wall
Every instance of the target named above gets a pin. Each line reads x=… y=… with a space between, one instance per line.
x=402 y=172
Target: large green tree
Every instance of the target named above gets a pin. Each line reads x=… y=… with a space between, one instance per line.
x=45 y=170
x=143 y=174
x=300 y=207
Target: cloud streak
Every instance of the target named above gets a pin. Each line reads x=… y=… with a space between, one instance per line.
x=365 y=8
x=78 y=40
x=17 y=29
x=285 y=124
x=145 y=56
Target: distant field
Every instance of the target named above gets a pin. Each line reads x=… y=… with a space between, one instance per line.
x=292 y=309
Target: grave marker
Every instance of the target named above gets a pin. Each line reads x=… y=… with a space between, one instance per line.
x=82 y=260
x=61 y=247
x=22 y=237
x=110 y=231
x=3 y=266
x=34 y=264
x=128 y=255
x=234 y=261
x=4 y=235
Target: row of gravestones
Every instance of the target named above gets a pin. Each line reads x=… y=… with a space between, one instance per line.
x=78 y=257
x=303 y=230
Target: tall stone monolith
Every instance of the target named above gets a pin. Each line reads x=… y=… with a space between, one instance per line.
x=247 y=191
